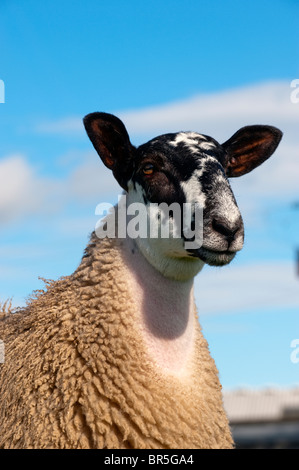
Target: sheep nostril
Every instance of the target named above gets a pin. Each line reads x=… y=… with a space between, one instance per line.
x=226 y=229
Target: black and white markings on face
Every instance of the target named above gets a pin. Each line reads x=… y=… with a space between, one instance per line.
x=183 y=167
x=189 y=168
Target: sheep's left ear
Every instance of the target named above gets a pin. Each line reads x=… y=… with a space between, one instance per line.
x=249 y=147
x=111 y=140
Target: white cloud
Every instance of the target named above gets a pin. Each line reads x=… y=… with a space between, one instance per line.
x=220 y=114
x=22 y=191
x=91 y=180
x=25 y=192
x=217 y=114
x=240 y=288
x=61 y=126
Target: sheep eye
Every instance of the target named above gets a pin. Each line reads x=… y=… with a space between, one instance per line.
x=148 y=169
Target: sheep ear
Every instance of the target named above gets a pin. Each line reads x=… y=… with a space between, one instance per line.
x=249 y=147
x=111 y=140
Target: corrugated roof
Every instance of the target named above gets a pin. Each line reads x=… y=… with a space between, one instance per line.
x=246 y=405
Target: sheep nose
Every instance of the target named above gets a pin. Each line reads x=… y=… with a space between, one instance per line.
x=227 y=229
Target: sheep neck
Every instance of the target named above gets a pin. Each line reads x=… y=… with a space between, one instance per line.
x=165 y=313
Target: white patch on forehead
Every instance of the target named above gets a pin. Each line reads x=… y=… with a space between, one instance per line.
x=193 y=189
x=187 y=138
x=190 y=139
x=193 y=141
x=207 y=145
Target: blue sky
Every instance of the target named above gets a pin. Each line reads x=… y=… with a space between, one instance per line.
x=162 y=66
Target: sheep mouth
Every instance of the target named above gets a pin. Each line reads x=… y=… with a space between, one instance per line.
x=213 y=257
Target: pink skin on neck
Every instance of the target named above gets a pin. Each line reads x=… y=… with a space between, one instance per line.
x=166 y=312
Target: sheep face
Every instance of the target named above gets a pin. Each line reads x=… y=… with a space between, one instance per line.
x=179 y=170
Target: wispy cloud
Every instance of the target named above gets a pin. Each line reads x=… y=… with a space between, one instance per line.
x=68 y=125
x=90 y=180
x=220 y=114
x=22 y=190
x=217 y=114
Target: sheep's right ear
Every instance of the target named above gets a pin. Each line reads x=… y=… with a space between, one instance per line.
x=249 y=147
x=111 y=140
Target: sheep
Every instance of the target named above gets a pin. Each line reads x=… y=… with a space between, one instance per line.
x=113 y=355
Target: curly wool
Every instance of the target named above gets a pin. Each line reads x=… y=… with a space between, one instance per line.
x=77 y=373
